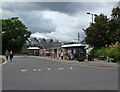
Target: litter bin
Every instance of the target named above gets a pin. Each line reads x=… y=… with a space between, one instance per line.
x=89 y=57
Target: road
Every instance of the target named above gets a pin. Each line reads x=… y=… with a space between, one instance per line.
x=32 y=73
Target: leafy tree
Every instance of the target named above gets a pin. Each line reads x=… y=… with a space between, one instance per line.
x=104 y=31
x=114 y=24
x=14 y=34
x=97 y=33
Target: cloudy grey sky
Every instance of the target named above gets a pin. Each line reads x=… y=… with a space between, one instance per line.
x=57 y=20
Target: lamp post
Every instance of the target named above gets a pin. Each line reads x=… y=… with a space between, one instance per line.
x=92 y=15
x=92 y=23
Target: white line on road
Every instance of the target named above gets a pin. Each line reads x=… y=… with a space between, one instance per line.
x=71 y=68
x=48 y=69
x=37 y=69
x=34 y=69
x=24 y=70
x=61 y=68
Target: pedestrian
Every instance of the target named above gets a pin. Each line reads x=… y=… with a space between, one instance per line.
x=11 y=55
x=7 y=55
x=62 y=55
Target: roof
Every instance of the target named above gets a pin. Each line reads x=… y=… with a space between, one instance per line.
x=33 y=48
x=48 y=45
x=74 y=45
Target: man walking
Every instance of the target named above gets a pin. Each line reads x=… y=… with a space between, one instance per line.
x=7 y=55
x=11 y=55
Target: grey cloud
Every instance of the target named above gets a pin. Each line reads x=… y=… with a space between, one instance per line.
x=30 y=14
x=65 y=7
x=30 y=6
x=20 y=6
x=37 y=23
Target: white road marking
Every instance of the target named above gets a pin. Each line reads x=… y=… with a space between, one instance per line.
x=48 y=69
x=34 y=69
x=37 y=69
x=24 y=70
x=60 y=68
x=71 y=68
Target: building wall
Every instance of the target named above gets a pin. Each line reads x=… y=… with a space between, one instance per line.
x=55 y=53
x=42 y=52
x=65 y=53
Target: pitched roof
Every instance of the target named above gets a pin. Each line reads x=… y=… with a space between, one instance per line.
x=48 y=45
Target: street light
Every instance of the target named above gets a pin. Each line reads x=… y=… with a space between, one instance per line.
x=92 y=23
x=92 y=15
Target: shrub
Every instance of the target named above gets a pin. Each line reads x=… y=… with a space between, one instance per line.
x=108 y=51
x=24 y=51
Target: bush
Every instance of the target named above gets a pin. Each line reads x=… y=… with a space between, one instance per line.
x=24 y=51
x=109 y=51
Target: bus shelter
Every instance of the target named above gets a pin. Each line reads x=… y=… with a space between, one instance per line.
x=33 y=51
x=74 y=52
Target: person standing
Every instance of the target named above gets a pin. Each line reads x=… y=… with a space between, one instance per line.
x=11 y=55
x=62 y=55
x=7 y=55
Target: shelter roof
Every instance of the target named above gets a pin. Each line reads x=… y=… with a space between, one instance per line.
x=73 y=45
x=33 y=48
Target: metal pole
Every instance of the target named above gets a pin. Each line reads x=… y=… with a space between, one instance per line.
x=78 y=38
x=93 y=46
x=92 y=23
x=92 y=17
x=119 y=4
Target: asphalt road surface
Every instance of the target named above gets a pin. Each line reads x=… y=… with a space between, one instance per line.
x=32 y=73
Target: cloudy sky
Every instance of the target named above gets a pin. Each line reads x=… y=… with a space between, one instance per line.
x=57 y=20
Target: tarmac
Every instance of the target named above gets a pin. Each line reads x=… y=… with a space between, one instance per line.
x=95 y=63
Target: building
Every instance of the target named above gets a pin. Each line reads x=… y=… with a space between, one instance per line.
x=55 y=50
x=50 y=49
x=74 y=51
x=45 y=49
x=33 y=51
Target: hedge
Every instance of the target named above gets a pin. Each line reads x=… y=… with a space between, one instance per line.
x=108 y=51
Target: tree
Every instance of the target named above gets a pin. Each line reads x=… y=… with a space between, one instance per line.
x=14 y=34
x=97 y=33
x=104 y=31
x=114 y=24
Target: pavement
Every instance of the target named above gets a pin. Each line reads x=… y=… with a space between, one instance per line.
x=2 y=59
x=95 y=63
